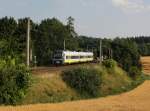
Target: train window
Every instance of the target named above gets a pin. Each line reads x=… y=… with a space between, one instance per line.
x=58 y=56
x=82 y=57
x=85 y=56
x=74 y=57
x=68 y=57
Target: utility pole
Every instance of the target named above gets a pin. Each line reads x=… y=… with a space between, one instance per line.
x=64 y=45
x=100 y=51
x=28 y=43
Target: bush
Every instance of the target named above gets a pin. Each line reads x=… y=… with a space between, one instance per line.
x=83 y=79
x=134 y=72
x=110 y=63
x=14 y=81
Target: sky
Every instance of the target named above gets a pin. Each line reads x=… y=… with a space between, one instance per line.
x=97 y=18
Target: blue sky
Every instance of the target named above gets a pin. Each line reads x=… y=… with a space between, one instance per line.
x=98 y=18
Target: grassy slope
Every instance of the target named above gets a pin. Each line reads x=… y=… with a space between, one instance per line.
x=114 y=80
x=51 y=89
x=54 y=89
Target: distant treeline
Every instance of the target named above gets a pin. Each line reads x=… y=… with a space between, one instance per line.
x=49 y=35
x=143 y=43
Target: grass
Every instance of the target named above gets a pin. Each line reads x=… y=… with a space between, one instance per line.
x=53 y=89
x=114 y=81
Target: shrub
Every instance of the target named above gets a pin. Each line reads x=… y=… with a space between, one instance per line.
x=110 y=63
x=14 y=81
x=134 y=72
x=83 y=79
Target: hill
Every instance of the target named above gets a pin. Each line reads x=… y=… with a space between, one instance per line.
x=53 y=89
x=135 y=100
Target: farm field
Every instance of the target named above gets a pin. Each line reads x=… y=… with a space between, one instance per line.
x=135 y=100
x=146 y=64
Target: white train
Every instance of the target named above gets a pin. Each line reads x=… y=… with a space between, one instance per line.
x=70 y=57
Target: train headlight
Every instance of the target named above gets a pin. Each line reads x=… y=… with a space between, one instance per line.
x=57 y=62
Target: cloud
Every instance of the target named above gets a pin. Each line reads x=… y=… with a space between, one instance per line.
x=131 y=5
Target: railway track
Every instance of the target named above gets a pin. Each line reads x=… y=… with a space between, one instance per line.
x=48 y=71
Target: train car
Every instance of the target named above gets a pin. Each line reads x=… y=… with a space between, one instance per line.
x=71 y=57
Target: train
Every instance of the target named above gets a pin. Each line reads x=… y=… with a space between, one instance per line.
x=72 y=57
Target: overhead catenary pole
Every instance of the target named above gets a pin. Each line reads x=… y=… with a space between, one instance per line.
x=28 y=43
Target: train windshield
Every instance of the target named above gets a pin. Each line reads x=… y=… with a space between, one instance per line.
x=58 y=55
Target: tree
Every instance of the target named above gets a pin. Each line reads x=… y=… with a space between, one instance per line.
x=14 y=82
x=7 y=36
x=50 y=37
x=125 y=52
x=70 y=26
x=7 y=27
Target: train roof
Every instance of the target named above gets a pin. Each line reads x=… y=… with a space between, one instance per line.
x=77 y=53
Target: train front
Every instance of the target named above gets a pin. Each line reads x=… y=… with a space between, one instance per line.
x=58 y=58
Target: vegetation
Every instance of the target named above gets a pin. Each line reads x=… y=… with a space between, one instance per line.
x=84 y=79
x=14 y=82
x=110 y=63
x=49 y=89
x=126 y=53
x=48 y=36
x=134 y=72
x=58 y=88
x=143 y=43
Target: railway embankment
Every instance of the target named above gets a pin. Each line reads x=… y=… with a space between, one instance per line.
x=49 y=87
x=135 y=100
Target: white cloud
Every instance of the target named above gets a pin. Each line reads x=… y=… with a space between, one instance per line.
x=131 y=5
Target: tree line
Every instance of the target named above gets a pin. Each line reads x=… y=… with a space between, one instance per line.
x=143 y=43
x=49 y=35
